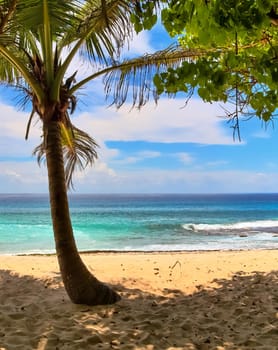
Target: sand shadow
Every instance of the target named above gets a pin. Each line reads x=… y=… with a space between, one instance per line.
x=239 y=313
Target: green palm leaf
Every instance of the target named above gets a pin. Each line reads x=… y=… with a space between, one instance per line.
x=79 y=150
x=106 y=25
x=137 y=74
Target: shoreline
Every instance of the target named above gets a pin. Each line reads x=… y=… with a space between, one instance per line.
x=112 y=251
x=200 y=300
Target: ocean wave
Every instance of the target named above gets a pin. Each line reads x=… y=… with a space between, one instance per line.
x=265 y=225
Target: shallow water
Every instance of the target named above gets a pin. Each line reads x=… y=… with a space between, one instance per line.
x=143 y=222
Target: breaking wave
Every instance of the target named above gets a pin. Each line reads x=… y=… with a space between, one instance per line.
x=260 y=225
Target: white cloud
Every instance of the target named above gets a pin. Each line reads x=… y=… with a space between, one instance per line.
x=14 y=122
x=262 y=134
x=22 y=177
x=184 y=157
x=140 y=45
x=148 y=154
x=12 y=133
x=217 y=163
x=167 y=122
x=99 y=170
x=28 y=177
x=181 y=181
x=136 y=158
x=164 y=123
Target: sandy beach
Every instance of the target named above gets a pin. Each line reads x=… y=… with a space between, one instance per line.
x=182 y=300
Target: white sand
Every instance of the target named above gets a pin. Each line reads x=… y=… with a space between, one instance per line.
x=201 y=300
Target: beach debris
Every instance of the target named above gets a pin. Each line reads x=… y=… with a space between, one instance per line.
x=171 y=268
x=156 y=270
x=175 y=264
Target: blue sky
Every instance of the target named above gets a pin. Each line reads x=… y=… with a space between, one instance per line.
x=161 y=149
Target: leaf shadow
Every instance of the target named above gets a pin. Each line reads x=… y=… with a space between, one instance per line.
x=238 y=313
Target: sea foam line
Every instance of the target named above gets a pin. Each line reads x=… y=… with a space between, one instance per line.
x=247 y=225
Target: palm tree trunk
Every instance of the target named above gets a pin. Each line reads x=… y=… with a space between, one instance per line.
x=81 y=286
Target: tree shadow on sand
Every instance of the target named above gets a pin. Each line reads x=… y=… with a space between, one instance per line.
x=239 y=313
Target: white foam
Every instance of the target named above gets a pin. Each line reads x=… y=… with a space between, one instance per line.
x=247 y=225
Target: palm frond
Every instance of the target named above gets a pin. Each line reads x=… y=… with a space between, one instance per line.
x=8 y=74
x=106 y=25
x=99 y=33
x=8 y=38
x=31 y=15
x=29 y=124
x=79 y=150
x=137 y=74
x=7 y=10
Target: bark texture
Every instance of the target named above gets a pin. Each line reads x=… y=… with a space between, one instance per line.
x=81 y=286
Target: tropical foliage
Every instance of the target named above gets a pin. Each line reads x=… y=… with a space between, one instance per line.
x=239 y=42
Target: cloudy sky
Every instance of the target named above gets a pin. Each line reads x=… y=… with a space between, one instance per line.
x=164 y=148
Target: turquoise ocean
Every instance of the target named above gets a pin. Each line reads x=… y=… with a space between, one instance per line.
x=143 y=222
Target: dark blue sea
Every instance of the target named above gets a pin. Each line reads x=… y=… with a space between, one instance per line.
x=143 y=222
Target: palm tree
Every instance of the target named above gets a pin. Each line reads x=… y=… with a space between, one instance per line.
x=38 y=41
